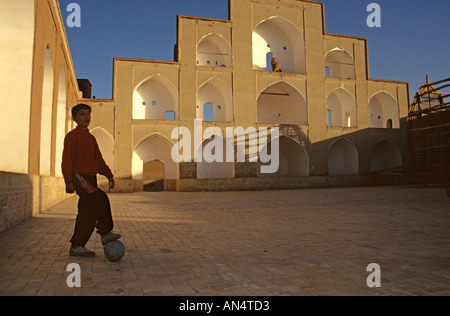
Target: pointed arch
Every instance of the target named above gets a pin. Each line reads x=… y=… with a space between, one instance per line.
x=340 y=64
x=219 y=95
x=383 y=111
x=106 y=145
x=214 y=164
x=294 y=159
x=284 y=40
x=385 y=155
x=213 y=50
x=281 y=103
x=341 y=106
x=61 y=119
x=155 y=147
x=343 y=158
x=153 y=98
x=46 y=114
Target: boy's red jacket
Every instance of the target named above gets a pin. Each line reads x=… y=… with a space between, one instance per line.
x=82 y=155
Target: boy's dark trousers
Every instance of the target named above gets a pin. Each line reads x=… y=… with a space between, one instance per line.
x=94 y=210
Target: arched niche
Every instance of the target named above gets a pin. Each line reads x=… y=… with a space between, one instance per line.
x=284 y=41
x=214 y=51
x=383 y=111
x=340 y=64
x=218 y=98
x=281 y=103
x=153 y=98
x=341 y=107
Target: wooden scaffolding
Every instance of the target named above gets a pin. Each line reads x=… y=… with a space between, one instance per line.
x=429 y=127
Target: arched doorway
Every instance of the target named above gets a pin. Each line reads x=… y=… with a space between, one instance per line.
x=154 y=150
x=214 y=163
x=385 y=156
x=343 y=158
x=293 y=159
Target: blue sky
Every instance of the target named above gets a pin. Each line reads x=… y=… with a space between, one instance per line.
x=413 y=40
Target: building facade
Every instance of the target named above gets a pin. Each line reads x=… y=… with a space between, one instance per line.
x=37 y=89
x=328 y=122
x=333 y=120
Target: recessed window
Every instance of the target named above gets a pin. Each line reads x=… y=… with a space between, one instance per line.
x=348 y=119
x=269 y=57
x=169 y=116
x=208 y=113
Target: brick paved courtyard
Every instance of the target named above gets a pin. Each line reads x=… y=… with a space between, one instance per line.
x=302 y=242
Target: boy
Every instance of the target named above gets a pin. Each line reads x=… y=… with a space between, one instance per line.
x=81 y=162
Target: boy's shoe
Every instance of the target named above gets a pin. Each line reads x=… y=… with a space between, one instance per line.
x=81 y=252
x=110 y=237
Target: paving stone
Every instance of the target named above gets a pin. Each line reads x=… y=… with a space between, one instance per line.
x=299 y=242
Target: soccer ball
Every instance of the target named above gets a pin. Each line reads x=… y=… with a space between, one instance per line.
x=114 y=250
